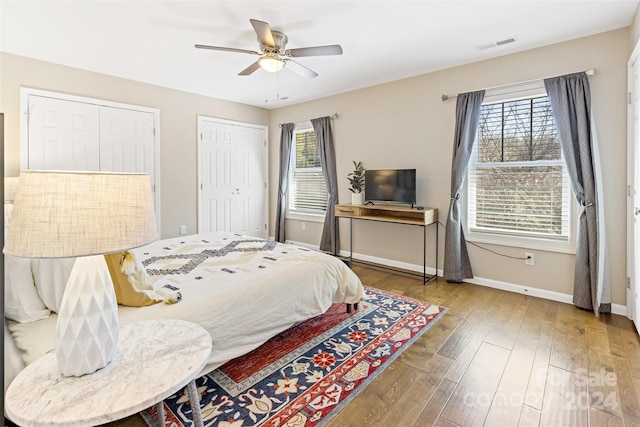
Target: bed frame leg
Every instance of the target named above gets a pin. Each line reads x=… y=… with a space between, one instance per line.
x=355 y=306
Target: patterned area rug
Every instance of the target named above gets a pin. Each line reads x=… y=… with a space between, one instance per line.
x=307 y=374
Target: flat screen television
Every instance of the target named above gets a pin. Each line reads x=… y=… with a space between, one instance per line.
x=390 y=185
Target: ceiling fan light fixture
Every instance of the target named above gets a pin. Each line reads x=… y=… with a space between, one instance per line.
x=271 y=63
x=273 y=55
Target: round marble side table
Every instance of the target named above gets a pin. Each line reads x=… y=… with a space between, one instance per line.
x=155 y=359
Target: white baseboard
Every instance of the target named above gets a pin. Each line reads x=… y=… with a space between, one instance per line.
x=304 y=245
x=537 y=292
x=392 y=263
x=481 y=281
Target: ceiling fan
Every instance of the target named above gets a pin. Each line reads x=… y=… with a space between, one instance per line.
x=274 y=56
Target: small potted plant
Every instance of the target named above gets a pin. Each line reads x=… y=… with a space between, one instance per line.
x=356 y=179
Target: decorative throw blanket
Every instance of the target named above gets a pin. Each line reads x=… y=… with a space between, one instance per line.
x=197 y=258
x=138 y=279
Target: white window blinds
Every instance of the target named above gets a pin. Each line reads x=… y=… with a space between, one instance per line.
x=518 y=184
x=307 y=188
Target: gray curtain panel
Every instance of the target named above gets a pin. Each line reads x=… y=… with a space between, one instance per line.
x=324 y=136
x=286 y=140
x=570 y=98
x=457 y=266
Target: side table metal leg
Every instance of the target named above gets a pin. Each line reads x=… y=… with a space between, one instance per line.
x=192 y=391
x=160 y=413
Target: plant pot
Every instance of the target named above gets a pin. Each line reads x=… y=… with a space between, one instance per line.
x=357 y=198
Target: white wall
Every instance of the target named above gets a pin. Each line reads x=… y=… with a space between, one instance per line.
x=405 y=124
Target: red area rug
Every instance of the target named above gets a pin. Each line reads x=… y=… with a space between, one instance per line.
x=307 y=374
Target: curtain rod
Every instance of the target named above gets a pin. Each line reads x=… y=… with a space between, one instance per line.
x=445 y=97
x=333 y=116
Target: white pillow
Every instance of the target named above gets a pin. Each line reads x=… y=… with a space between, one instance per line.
x=50 y=276
x=21 y=300
x=35 y=339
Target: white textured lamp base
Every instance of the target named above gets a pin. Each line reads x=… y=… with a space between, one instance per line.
x=87 y=329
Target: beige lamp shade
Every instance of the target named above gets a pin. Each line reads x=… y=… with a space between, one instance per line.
x=10 y=187
x=69 y=214
x=83 y=215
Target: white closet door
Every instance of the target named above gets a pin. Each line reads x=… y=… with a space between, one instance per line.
x=63 y=135
x=250 y=180
x=217 y=175
x=67 y=132
x=233 y=175
x=127 y=141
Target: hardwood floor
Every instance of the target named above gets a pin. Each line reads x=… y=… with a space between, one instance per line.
x=500 y=359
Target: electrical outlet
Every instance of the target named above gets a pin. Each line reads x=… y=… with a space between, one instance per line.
x=183 y=229
x=303 y=226
x=529 y=259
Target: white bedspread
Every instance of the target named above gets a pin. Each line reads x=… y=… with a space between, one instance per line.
x=241 y=289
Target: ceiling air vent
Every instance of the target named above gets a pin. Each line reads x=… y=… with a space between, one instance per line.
x=505 y=41
x=495 y=44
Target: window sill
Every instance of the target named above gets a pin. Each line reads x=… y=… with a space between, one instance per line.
x=305 y=217
x=548 y=245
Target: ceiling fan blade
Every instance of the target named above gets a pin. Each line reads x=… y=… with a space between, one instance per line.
x=264 y=32
x=226 y=49
x=250 y=69
x=334 y=49
x=300 y=69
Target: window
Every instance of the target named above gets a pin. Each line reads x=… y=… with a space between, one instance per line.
x=518 y=187
x=307 y=188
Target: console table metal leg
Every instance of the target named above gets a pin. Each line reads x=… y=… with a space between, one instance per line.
x=336 y=224
x=436 y=274
x=351 y=241
x=192 y=391
x=424 y=254
x=424 y=242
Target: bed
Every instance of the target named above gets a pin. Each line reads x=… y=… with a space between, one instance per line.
x=242 y=290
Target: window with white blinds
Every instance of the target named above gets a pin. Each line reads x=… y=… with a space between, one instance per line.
x=517 y=183
x=307 y=188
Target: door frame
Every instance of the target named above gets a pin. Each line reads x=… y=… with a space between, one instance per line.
x=633 y=144
x=25 y=92
x=265 y=160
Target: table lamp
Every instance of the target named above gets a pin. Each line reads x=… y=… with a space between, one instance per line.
x=85 y=215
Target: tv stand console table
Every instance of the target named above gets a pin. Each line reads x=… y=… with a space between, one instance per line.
x=394 y=214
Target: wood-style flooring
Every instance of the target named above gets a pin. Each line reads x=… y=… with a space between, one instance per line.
x=500 y=359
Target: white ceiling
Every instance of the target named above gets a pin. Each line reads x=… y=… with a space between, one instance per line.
x=152 y=41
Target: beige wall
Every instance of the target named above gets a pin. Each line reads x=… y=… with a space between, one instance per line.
x=178 y=111
x=405 y=124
